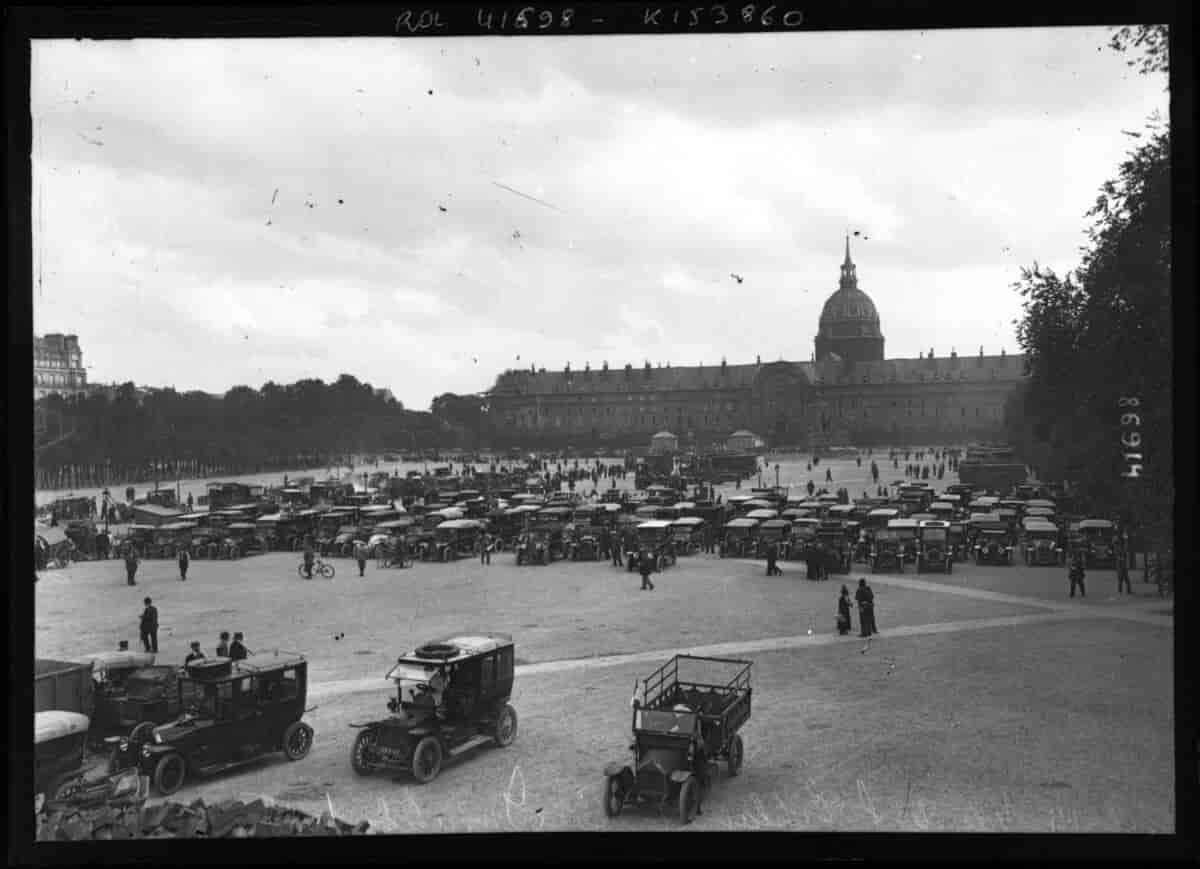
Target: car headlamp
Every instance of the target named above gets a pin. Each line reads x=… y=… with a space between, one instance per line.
x=158 y=738
x=124 y=745
x=145 y=751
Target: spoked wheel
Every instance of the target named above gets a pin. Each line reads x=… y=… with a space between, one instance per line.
x=169 y=773
x=689 y=800
x=297 y=740
x=300 y=571
x=614 y=796
x=506 y=727
x=364 y=743
x=427 y=760
x=327 y=571
x=736 y=754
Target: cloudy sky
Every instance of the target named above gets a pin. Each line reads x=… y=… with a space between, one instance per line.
x=426 y=213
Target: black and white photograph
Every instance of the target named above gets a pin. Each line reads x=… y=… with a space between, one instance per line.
x=615 y=433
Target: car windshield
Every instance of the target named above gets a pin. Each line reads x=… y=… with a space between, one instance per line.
x=932 y=535
x=418 y=683
x=665 y=721
x=143 y=687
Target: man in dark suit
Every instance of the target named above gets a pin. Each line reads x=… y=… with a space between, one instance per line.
x=238 y=651
x=149 y=627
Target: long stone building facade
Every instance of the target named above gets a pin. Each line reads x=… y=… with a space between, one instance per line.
x=848 y=394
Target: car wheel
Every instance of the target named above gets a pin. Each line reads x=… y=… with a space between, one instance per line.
x=363 y=744
x=689 y=800
x=614 y=796
x=297 y=740
x=427 y=759
x=505 y=730
x=169 y=773
x=736 y=754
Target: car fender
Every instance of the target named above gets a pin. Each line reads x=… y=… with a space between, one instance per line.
x=617 y=768
x=679 y=776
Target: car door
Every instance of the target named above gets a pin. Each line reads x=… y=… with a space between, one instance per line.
x=247 y=725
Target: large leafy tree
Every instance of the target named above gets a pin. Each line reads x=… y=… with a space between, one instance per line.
x=1097 y=408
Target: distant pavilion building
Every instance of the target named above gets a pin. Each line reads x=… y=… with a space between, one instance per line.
x=58 y=366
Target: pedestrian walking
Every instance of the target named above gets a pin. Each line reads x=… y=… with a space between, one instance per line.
x=190 y=502
x=843 y=612
x=309 y=558
x=866 y=609
x=617 y=547
x=223 y=645
x=237 y=650
x=646 y=567
x=811 y=566
x=1076 y=574
x=360 y=555
x=185 y=559
x=1122 y=557
x=149 y=626
x=828 y=475
x=485 y=548
x=772 y=556
x=131 y=565
x=195 y=654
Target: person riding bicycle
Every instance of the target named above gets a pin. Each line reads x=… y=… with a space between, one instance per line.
x=309 y=558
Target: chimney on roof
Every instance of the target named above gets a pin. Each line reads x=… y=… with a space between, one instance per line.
x=953 y=353
x=722 y=364
x=981 y=350
x=587 y=366
x=567 y=369
x=605 y=367
x=1002 y=353
x=758 y=360
x=930 y=352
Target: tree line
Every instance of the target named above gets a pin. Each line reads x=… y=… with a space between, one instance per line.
x=1097 y=407
x=160 y=433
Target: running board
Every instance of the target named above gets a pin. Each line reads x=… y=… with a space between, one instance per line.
x=473 y=742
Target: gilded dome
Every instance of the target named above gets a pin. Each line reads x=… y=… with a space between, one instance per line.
x=849 y=303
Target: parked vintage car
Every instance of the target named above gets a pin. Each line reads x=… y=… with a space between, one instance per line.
x=833 y=547
x=59 y=740
x=110 y=672
x=933 y=547
x=683 y=724
x=887 y=552
x=688 y=532
x=451 y=696
x=776 y=531
x=1041 y=543
x=907 y=532
x=657 y=537
x=1098 y=538
x=956 y=539
x=234 y=712
x=457 y=538
x=993 y=543
x=880 y=517
x=740 y=538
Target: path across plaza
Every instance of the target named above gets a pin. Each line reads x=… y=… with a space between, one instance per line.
x=1143 y=612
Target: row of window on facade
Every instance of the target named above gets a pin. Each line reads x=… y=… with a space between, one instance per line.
x=55 y=362
x=642 y=419
x=920 y=376
x=41 y=378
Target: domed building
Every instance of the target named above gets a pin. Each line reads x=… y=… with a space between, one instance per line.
x=848 y=393
x=848 y=330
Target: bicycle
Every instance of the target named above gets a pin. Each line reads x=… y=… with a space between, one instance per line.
x=319 y=568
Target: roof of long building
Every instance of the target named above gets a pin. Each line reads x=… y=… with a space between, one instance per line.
x=713 y=377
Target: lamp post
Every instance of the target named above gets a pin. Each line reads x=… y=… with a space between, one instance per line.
x=777 y=476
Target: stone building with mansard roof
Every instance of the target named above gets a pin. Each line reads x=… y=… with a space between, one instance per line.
x=848 y=393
